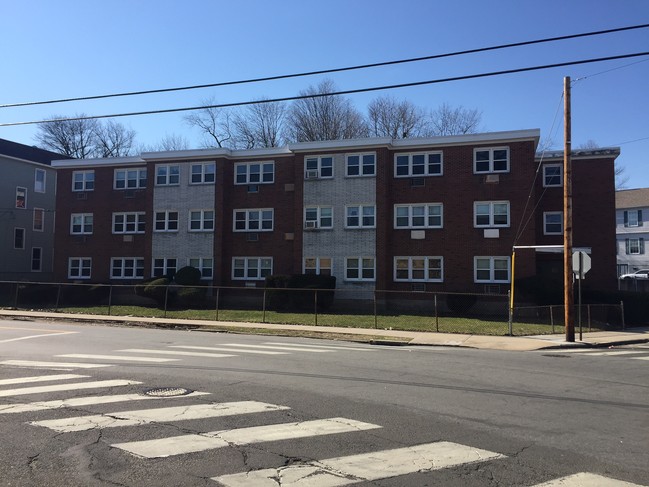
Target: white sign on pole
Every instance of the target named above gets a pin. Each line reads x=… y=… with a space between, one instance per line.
x=580 y=270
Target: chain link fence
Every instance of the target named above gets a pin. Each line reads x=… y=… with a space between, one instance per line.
x=485 y=314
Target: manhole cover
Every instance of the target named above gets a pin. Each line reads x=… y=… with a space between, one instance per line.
x=167 y=392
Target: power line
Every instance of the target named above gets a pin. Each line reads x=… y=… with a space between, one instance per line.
x=334 y=93
x=333 y=70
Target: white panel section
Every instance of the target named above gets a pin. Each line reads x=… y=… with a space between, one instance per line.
x=586 y=480
x=225 y=349
x=52 y=365
x=173 y=352
x=491 y=233
x=118 y=357
x=76 y=386
x=41 y=378
x=418 y=234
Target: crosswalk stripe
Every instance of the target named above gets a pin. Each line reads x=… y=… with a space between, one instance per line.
x=133 y=418
x=363 y=467
x=357 y=349
x=118 y=357
x=617 y=352
x=83 y=401
x=67 y=387
x=40 y=378
x=224 y=349
x=640 y=358
x=172 y=352
x=244 y=436
x=275 y=347
x=586 y=480
x=67 y=365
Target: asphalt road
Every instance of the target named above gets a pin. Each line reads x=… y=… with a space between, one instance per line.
x=311 y=412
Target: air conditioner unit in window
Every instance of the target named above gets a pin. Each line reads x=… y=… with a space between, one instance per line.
x=310 y=225
x=252 y=237
x=82 y=196
x=419 y=287
x=492 y=289
x=312 y=174
x=129 y=193
x=492 y=178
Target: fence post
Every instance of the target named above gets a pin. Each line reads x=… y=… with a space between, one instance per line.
x=511 y=313
x=315 y=298
x=110 y=298
x=263 y=314
x=58 y=297
x=436 y=314
x=376 y=320
x=16 y=295
x=552 y=318
x=622 y=309
x=218 y=292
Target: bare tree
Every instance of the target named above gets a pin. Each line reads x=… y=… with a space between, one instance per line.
x=74 y=138
x=112 y=139
x=446 y=120
x=324 y=116
x=388 y=117
x=621 y=178
x=214 y=123
x=171 y=142
x=260 y=125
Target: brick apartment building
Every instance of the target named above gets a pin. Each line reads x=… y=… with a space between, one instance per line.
x=434 y=214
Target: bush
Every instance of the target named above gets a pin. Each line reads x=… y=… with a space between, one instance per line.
x=190 y=296
x=188 y=276
x=299 y=299
x=461 y=303
x=157 y=290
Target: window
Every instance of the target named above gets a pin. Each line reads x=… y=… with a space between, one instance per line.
x=254 y=173
x=39 y=181
x=130 y=178
x=256 y=220
x=83 y=181
x=201 y=220
x=318 y=265
x=491 y=269
x=319 y=167
x=79 y=267
x=632 y=218
x=360 y=216
x=37 y=259
x=127 y=268
x=318 y=217
x=251 y=268
x=204 y=265
x=553 y=223
x=81 y=224
x=167 y=175
x=552 y=175
x=634 y=246
x=128 y=222
x=166 y=221
x=359 y=269
x=164 y=267
x=491 y=214
x=420 y=164
x=21 y=197
x=19 y=238
x=418 y=269
x=204 y=173
x=361 y=165
x=429 y=215
x=495 y=159
x=39 y=219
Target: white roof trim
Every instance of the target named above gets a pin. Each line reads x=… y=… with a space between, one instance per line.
x=341 y=144
x=491 y=137
x=109 y=161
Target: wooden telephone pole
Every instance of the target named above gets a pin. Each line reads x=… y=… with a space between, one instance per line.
x=568 y=296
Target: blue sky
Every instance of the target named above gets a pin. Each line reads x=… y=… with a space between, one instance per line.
x=72 y=48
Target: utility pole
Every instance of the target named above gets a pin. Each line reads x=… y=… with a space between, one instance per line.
x=568 y=295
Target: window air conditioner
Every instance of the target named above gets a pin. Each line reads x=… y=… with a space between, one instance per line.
x=310 y=225
x=312 y=174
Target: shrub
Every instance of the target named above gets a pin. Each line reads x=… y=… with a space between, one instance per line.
x=157 y=290
x=191 y=296
x=461 y=303
x=299 y=299
x=188 y=276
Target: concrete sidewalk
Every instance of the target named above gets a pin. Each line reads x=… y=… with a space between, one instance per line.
x=396 y=337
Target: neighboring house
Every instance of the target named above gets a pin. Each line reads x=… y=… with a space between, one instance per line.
x=632 y=229
x=424 y=214
x=27 y=203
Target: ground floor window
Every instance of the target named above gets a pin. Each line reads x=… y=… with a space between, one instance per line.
x=359 y=269
x=204 y=265
x=318 y=265
x=251 y=268
x=491 y=269
x=79 y=267
x=418 y=269
x=164 y=267
x=127 y=268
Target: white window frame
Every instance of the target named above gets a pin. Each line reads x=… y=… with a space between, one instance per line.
x=38 y=187
x=136 y=175
x=491 y=151
x=634 y=246
x=166 y=221
x=205 y=176
x=136 y=265
x=427 y=164
x=427 y=268
x=79 y=264
x=203 y=264
x=86 y=182
x=41 y=212
x=547 y=178
x=18 y=230
x=318 y=266
x=84 y=217
x=492 y=270
x=427 y=215
x=319 y=217
x=360 y=268
x=40 y=259
x=170 y=175
x=549 y=214
x=202 y=221
x=361 y=165
x=310 y=166
x=249 y=175
x=21 y=196
x=491 y=214
x=138 y=223
x=360 y=216
x=261 y=270
x=248 y=213
x=164 y=265
x=634 y=222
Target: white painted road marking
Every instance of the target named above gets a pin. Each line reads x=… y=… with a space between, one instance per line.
x=53 y=333
x=41 y=378
x=67 y=387
x=224 y=349
x=172 y=352
x=640 y=358
x=586 y=480
x=244 y=436
x=67 y=365
x=283 y=347
x=180 y=413
x=617 y=352
x=83 y=401
x=357 y=349
x=363 y=467
x=118 y=357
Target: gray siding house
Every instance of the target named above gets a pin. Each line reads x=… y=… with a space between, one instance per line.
x=632 y=229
